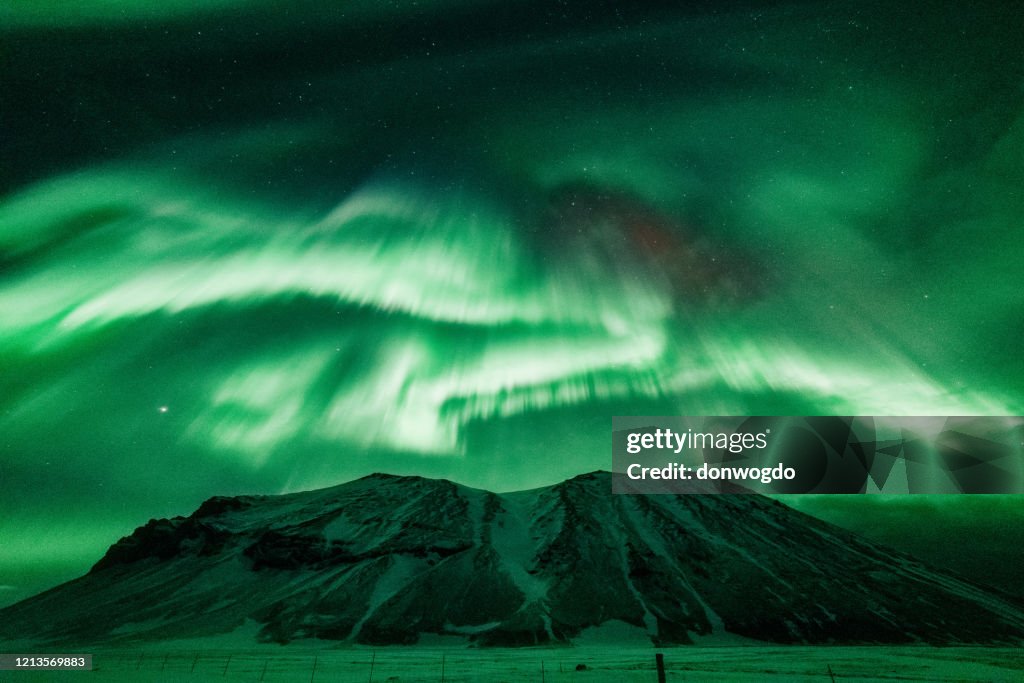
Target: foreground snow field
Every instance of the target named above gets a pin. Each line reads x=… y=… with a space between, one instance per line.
x=405 y=664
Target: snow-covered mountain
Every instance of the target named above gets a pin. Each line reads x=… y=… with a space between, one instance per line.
x=388 y=559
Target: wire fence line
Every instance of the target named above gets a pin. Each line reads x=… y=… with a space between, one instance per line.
x=364 y=665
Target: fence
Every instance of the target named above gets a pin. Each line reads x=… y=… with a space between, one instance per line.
x=371 y=666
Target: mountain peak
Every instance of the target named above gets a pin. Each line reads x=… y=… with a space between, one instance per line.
x=387 y=559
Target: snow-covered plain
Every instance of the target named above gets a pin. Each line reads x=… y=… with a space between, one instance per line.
x=549 y=665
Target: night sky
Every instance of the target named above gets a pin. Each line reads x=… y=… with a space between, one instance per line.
x=263 y=247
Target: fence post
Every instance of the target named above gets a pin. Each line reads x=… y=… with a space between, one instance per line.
x=659 y=660
x=542 y=671
x=442 y=667
x=373 y=658
x=227 y=664
x=313 y=673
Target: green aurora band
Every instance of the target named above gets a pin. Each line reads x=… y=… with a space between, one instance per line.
x=460 y=257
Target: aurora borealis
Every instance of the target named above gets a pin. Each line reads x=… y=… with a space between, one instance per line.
x=257 y=248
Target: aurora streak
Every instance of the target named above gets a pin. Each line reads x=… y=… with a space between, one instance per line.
x=459 y=258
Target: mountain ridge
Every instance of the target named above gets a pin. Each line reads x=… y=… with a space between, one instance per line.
x=389 y=559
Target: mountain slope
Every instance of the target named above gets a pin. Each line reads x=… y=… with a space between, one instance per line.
x=385 y=559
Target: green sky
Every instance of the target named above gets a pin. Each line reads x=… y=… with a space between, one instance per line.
x=261 y=248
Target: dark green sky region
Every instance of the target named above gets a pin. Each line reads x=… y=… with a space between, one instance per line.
x=255 y=247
